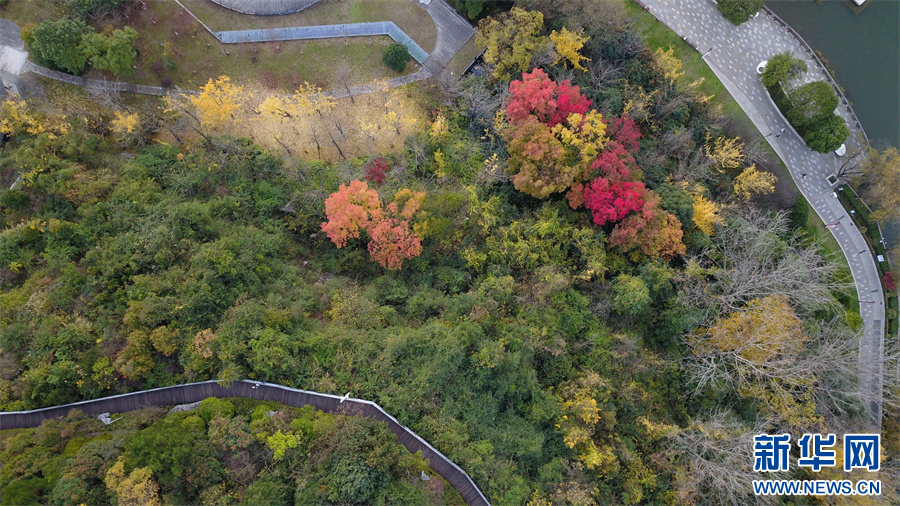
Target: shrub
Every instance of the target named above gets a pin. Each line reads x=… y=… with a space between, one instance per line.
x=396 y=56
x=212 y=407
x=739 y=11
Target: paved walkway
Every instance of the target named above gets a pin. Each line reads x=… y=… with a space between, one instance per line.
x=266 y=7
x=734 y=53
x=325 y=32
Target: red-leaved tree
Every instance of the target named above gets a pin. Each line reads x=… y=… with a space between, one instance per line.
x=611 y=201
x=538 y=96
x=349 y=210
x=356 y=208
x=655 y=231
x=625 y=131
x=375 y=170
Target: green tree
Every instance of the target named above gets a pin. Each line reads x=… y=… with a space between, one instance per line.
x=739 y=11
x=811 y=102
x=471 y=8
x=396 y=56
x=61 y=44
x=630 y=295
x=826 y=133
x=114 y=53
x=678 y=202
x=782 y=68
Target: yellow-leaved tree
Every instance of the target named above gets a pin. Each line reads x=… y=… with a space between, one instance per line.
x=18 y=118
x=218 y=101
x=669 y=64
x=752 y=182
x=727 y=153
x=581 y=415
x=706 y=214
x=134 y=489
x=511 y=40
x=568 y=46
x=757 y=350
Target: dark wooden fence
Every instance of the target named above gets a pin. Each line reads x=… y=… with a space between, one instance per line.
x=193 y=392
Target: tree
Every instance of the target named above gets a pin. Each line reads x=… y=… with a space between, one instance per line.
x=810 y=102
x=471 y=8
x=511 y=40
x=630 y=295
x=611 y=202
x=678 y=202
x=755 y=256
x=782 y=68
x=355 y=208
x=727 y=153
x=880 y=182
x=568 y=44
x=739 y=11
x=706 y=214
x=218 y=101
x=61 y=44
x=114 y=53
x=396 y=56
x=716 y=453
x=342 y=75
x=350 y=210
x=669 y=64
x=826 y=133
x=545 y=160
x=755 y=349
x=654 y=231
x=752 y=182
x=134 y=489
x=538 y=96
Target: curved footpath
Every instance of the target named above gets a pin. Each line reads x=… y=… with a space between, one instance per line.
x=733 y=52
x=193 y=392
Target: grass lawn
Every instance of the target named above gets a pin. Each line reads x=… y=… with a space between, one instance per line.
x=464 y=57
x=167 y=31
x=409 y=16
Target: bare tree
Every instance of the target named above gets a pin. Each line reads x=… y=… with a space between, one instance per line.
x=342 y=75
x=755 y=256
x=718 y=455
x=603 y=73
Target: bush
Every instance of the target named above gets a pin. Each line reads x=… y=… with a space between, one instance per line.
x=739 y=11
x=396 y=56
x=212 y=407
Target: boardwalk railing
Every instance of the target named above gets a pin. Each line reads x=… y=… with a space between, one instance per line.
x=193 y=392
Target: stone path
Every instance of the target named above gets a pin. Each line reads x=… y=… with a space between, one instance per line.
x=733 y=54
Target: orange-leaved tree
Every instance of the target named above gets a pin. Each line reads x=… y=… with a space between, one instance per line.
x=357 y=208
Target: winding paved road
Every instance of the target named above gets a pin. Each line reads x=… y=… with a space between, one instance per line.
x=733 y=54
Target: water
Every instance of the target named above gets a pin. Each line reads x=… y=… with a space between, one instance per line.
x=863 y=52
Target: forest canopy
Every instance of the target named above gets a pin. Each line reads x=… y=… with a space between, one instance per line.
x=559 y=272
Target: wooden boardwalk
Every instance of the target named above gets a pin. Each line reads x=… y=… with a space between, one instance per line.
x=266 y=7
x=193 y=392
x=453 y=31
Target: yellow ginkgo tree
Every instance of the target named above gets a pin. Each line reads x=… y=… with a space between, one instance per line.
x=568 y=46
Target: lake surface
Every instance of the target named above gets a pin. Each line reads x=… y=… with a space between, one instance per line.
x=864 y=54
